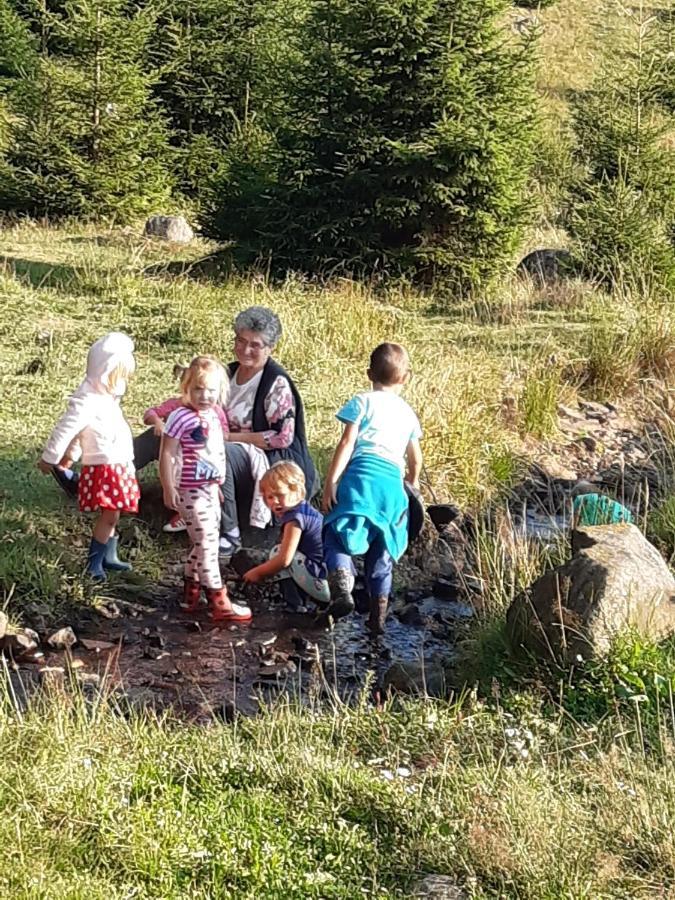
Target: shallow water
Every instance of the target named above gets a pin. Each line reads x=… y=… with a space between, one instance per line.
x=161 y=658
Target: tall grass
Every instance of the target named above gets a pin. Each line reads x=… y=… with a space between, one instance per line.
x=347 y=803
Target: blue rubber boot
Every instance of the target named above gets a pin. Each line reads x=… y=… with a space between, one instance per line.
x=111 y=560
x=95 y=560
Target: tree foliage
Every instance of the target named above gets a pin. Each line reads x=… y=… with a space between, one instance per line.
x=622 y=210
x=89 y=140
x=405 y=148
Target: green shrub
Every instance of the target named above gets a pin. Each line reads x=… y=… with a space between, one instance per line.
x=405 y=148
x=621 y=212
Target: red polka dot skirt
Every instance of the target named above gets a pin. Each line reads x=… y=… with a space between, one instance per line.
x=108 y=487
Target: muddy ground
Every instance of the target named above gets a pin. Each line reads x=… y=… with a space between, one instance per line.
x=142 y=647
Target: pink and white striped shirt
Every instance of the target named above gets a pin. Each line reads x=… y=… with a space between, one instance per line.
x=164 y=409
x=200 y=434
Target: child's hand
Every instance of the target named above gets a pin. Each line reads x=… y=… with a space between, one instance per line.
x=44 y=467
x=158 y=428
x=329 y=496
x=253 y=576
x=171 y=498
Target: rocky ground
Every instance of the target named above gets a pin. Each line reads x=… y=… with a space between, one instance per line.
x=140 y=646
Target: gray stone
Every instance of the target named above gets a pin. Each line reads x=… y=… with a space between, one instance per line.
x=546 y=266
x=570 y=413
x=169 y=228
x=421 y=677
x=63 y=639
x=614 y=580
x=20 y=643
x=439 y=887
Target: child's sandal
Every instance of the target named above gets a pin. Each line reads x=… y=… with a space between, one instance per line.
x=191 y=594
x=223 y=610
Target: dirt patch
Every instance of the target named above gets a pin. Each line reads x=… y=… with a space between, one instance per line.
x=156 y=656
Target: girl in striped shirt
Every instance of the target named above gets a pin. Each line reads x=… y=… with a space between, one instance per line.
x=196 y=430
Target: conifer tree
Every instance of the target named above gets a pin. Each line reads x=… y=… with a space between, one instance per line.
x=405 y=147
x=18 y=47
x=88 y=139
x=212 y=75
x=621 y=211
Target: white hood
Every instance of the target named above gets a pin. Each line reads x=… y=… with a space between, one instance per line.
x=93 y=416
x=105 y=355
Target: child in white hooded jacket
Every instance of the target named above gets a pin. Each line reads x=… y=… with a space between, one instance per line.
x=95 y=419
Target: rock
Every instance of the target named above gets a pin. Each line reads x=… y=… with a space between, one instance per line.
x=589 y=442
x=615 y=579
x=169 y=228
x=443 y=513
x=96 y=646
x=546 y=266
x=424 y=677
x=20 y=643
x=439 y=887
x=63 y=639
x=410 y=615
x=569 y=413
x=523 y=24
x=445 y=588
x=595 y=410
x=554 y=469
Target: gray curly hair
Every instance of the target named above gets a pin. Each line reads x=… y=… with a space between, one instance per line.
x=261 y=320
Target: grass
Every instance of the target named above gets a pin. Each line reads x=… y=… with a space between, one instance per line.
x=464 y=368
x=338 y=804
x=98 y=801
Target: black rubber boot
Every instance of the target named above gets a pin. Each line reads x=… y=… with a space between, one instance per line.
x=378 y=614
x=341 y=585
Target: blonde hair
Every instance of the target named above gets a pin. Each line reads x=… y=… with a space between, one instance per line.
x=288 y=474
x=122 y=372
x=195 y=372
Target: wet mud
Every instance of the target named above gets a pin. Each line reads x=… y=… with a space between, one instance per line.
x=156 y=656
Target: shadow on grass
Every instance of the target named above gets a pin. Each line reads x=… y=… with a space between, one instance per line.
x=213 y=267
x=41 y=274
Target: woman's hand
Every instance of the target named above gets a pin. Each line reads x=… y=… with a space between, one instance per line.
x=329 y=498
x=158 y=428
x=44 y=467
x=253 y=576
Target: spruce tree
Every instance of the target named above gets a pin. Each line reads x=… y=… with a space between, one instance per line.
x=18 y=47
x=621 y=211
x=210 y=55
x=89 y=139
x=405 y=146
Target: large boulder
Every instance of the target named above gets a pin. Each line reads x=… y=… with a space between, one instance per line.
x=614 y=580
x=169 y=228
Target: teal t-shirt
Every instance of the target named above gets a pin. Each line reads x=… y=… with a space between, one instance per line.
x=597 y=509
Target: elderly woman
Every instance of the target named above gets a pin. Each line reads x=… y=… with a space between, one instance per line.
x=265 y=411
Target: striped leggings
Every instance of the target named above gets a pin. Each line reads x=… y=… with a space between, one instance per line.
x=200 y=509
